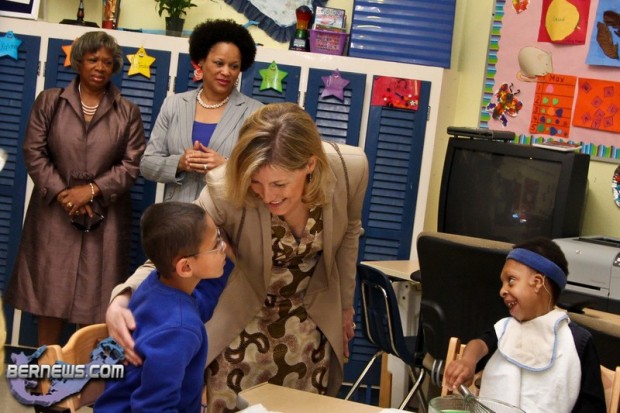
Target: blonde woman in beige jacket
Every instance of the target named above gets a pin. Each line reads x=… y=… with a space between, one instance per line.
x=291 y=206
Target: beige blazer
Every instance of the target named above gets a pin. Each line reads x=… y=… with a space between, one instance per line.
x=333 y=283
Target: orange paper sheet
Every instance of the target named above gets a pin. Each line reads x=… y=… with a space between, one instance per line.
x=598 y=105
x=553 y=105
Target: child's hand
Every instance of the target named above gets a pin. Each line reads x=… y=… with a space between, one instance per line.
x=459 y=372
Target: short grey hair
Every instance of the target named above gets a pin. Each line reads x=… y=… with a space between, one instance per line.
x=90 y=42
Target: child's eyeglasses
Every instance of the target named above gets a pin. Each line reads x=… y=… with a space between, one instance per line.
x=85 y=223
x=220 y=246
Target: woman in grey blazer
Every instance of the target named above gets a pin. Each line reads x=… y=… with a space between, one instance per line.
x=291 y=207
x=196 y=130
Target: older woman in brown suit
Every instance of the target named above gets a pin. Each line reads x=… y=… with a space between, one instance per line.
x=82 y=150
x=291 y=206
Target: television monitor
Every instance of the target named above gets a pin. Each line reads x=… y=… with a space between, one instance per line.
x=510 y=192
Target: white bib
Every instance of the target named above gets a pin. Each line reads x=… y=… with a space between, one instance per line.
x=536 y=366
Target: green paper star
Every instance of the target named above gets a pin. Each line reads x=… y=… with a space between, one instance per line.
x=272 y=77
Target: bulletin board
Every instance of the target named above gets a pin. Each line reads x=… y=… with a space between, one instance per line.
x=561 y=83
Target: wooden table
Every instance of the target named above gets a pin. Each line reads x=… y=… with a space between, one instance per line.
x=397 y=269
x=286 y=400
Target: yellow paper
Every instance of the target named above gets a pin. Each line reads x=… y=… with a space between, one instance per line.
x=561 y=20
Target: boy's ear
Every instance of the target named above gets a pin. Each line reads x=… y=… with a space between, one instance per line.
x=183 y=267
x=537 y=281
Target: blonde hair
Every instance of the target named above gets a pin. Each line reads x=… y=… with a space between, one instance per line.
x=282 y=135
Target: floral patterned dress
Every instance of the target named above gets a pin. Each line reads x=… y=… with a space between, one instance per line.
x=281 y=344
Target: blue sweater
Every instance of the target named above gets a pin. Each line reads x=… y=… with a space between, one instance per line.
x=171 y=338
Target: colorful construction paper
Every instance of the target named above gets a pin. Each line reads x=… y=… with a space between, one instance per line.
x=395 y=92
x=598 y=105
x=553 y=105
x=564 y=21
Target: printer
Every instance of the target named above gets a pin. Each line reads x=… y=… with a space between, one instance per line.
x=594 y=271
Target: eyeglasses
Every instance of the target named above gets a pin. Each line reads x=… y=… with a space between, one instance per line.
x=85 y=223
x=220 y=246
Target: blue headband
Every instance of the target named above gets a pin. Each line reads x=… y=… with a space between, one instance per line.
x=539 y=263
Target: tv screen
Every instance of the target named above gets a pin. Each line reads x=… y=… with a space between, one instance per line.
x=509 y=192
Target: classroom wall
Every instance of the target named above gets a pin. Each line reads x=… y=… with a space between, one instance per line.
x=471 y=41
x=142 y=14
x=471 y=34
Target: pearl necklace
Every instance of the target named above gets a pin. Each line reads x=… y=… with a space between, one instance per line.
x=88 y=110
x=214 y=106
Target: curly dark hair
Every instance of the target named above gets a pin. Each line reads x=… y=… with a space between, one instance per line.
x=211 y=32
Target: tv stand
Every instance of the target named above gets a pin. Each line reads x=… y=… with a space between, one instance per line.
x=480 y=133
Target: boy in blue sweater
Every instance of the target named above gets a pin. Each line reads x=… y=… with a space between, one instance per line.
x=170 y=308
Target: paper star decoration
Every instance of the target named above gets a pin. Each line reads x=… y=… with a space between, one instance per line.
x=140 y=63
x=272 y=77
x=9 y=45
x=67 y=49
x=197 y=73
x=334 y=85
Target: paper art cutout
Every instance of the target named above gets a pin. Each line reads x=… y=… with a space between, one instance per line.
x=564 y=21
x=140 y=63
x=334 y=85
x=520 y=5
x=553 y=105
x=9 y=45
x=197 y=73
x=615 y=186
x=605 y=38
x=67 y=49
x=272 y=77
x=507 y=103
x=598 y=105
x=395 y=92
x=533 y=62
x=606 y=41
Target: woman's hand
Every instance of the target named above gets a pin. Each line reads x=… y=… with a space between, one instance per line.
x=120 y=322
x=200 y=159
x=76 y=200
x=348 y=327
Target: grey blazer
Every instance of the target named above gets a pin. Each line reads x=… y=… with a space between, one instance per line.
x=172 y=134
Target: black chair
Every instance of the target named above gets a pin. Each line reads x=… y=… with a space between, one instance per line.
x=605 y=332
x=381 y=325
x=460 y=291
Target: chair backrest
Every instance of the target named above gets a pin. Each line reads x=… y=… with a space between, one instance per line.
x=460 y=287
x=605 y=333
x=611 y=385
x=77 y=351
x=381 y=320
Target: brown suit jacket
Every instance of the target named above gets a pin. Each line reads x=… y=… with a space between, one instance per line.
x=60 y=271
